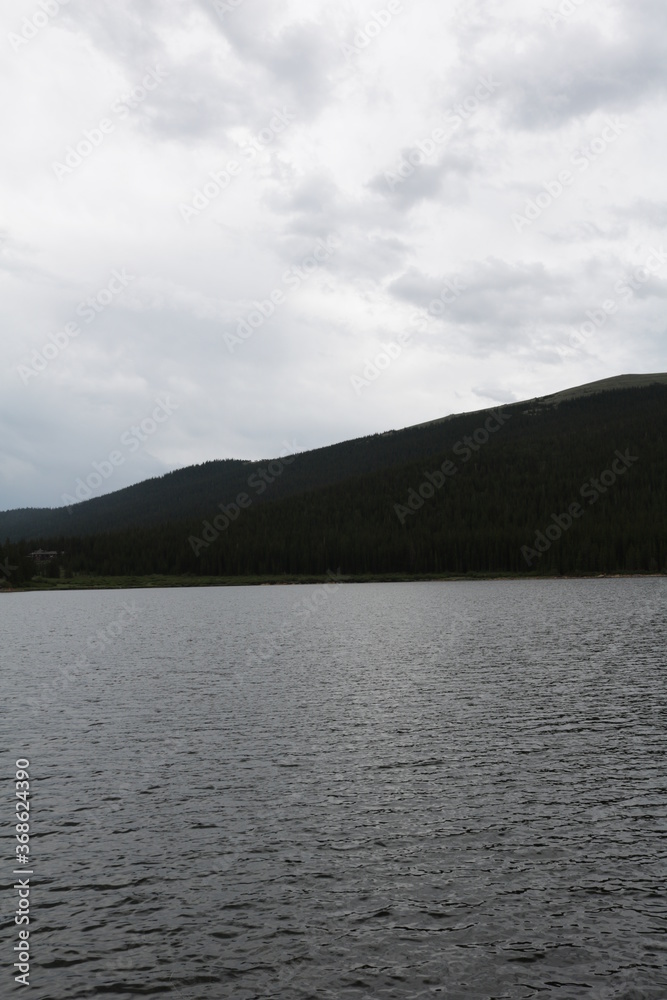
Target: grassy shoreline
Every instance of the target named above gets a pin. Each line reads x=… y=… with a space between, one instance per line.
x=159 y=581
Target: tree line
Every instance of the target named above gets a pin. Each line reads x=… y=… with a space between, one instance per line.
x=502 y=502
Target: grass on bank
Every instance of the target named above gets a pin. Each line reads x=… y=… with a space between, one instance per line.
x=156 y=580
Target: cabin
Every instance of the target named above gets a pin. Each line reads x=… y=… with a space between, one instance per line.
x=43 y=556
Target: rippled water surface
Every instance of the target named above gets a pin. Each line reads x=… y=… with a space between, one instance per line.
x=384 y=790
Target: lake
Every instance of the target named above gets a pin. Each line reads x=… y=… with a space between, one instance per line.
x=345 y=791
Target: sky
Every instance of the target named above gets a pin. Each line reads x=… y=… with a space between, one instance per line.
x=242 y=228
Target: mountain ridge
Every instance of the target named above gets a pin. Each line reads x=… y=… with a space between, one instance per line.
x=193 y=491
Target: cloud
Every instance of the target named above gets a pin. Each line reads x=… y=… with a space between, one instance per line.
x=556 y=67
x=394 y=147
x=410 y=180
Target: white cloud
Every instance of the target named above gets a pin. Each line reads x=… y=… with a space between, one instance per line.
x=360 y=101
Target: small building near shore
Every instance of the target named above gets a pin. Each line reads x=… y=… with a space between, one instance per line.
x=43 y=556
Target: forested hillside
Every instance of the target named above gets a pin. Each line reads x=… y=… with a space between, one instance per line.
x=577 y=487
x=194 y=491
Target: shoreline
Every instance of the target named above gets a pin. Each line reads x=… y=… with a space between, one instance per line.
x=157 y=581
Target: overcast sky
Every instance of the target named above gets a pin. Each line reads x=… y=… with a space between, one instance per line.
x=233 y=207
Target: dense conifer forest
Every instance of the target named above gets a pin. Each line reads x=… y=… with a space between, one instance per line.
x=574 y=487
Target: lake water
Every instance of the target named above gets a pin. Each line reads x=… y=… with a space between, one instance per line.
x=382 y=791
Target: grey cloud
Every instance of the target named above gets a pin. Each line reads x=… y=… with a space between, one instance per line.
x=444 y=181
x=449 y=221
x=584 y=231
x=370 y=257
x=298 y=59
x=514 y=305
x=316 y=207
x=121 y=30
x=415 y=287
x=645 y=212
x=483 y=280
x=201 y=95
x=490 y=305
x=551 y=76
x=302 y=60
x=308 y=199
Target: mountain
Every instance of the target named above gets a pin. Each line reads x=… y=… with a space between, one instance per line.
x=469 y=492
x=196 y=490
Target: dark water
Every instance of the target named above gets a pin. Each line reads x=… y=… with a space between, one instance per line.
x=402 y=791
